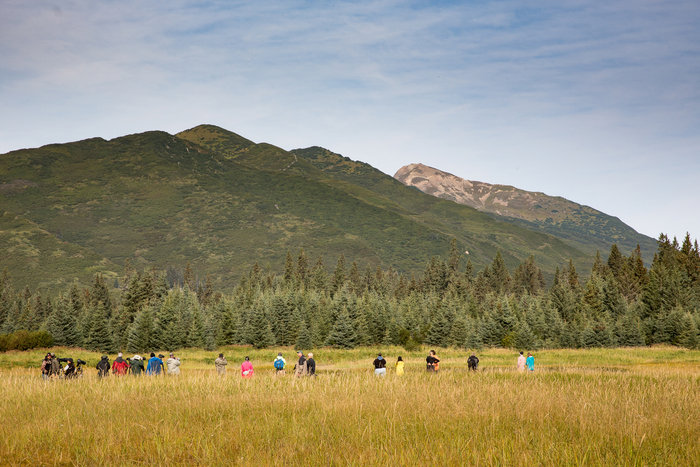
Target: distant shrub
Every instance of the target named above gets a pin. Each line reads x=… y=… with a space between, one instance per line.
x=25 y=340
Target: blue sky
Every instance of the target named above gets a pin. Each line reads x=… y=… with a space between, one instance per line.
x=598 y=102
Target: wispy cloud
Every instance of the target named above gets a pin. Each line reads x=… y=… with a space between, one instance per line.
x=582 y=99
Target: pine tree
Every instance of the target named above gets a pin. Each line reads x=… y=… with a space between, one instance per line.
x=304 y=340
x=62 y=325
x=302 y=271
x=342 y=335
x=629 y=331
x=99 y=337
x=339 y=274
x=289 y=272
x=499 y=277
x=188 y=277
x=458 y=332
x=195 y=334
x=140 y=331
x=261 y=333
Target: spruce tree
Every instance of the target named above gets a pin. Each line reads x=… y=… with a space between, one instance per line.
x=99 y=337
x=62 y=325
x=458 y=332
x=342 y=335
x=141 y=330
x=629 y=331
x=261 y=333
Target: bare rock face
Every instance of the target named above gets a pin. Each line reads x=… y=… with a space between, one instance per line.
x=504 y=200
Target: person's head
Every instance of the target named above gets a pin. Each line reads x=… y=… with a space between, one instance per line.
x=300 y=353
x=521 y=353
x=400 y=359
x=529 y=354
x=160 y=355
x=104 y=357
x=311 y=355
x=120 y=355
x=153 y=354
x=247 y=359
x=53 y=355
x=279 y=354
x=221 y=355
x=172 y=355
x=432 y=352
x=70 y=361
x=47 y=357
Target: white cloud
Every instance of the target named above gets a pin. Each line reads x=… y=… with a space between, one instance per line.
x=493 y=90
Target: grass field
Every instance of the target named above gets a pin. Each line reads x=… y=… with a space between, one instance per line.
x=582 y=407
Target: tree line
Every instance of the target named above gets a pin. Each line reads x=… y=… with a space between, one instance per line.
x=620 y=303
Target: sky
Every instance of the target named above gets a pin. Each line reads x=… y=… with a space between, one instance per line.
x=598 y=102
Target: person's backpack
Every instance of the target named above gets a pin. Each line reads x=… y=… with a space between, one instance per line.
x=279 y=364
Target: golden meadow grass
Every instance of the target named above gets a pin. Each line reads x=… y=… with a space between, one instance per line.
x=612 y=407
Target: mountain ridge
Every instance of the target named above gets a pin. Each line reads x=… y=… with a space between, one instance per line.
x=556 y=215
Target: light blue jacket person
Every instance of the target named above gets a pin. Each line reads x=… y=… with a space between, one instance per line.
x=155 y=365
x=530 y=362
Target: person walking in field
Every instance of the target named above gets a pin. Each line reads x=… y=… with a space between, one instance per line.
x=137 y=367
x=432 y=362
x=103 y=367
x=279 y=364
x=220 y=364
x=155 y=365
x=530 y=362
x=55 y=366
x=247 y=368
x=399 y=366
x=46 y=367
x=311 y=365
x=379 y=366
x=521 y=363
x=173 y=365
x=472 y=362
x=300 y=367
x=120 y=366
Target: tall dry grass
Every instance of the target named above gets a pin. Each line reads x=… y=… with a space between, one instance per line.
x=634 y=414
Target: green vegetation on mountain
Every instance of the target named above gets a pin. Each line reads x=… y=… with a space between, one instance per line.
x=582 y=227
x=222 y=203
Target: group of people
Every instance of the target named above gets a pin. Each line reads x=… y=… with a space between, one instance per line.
x=51 y=367
x=305 y=365
x=528 y=362
x=432 y=364
x=135 y=365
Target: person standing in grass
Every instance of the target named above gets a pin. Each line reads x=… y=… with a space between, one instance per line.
x=521 y=363
x=46 y=367
x=173 y=365
x=530 y=362
x=137 y=365
x=103 y=367
x=155 y=365
x=120 y=366
x=247 y=368
x=220 y=364
x=311 y=365
x=55 y=366
x=379 y=366
x=399 y=366
x=432 y=362
x=472 y=362
x=279 y=364
x=300 y=367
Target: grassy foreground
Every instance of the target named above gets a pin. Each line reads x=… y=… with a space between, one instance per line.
x=613 y=407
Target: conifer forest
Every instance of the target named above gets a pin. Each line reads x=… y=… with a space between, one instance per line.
x=620 y=302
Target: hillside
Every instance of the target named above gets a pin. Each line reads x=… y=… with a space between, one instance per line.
x=581 y=226
x=222 y=202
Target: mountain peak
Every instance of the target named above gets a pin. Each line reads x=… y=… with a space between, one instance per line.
x=552 y=214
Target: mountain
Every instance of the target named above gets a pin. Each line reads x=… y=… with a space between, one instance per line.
x=222 y=202
x=582 y=227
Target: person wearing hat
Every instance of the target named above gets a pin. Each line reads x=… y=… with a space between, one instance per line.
x=103 y=367
x=120 y=366
x=173 y=365
x=300 y=367
x=311 y=365
x=155 y=364
x=379 y=365
x=220 y=364
x=137 y=365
